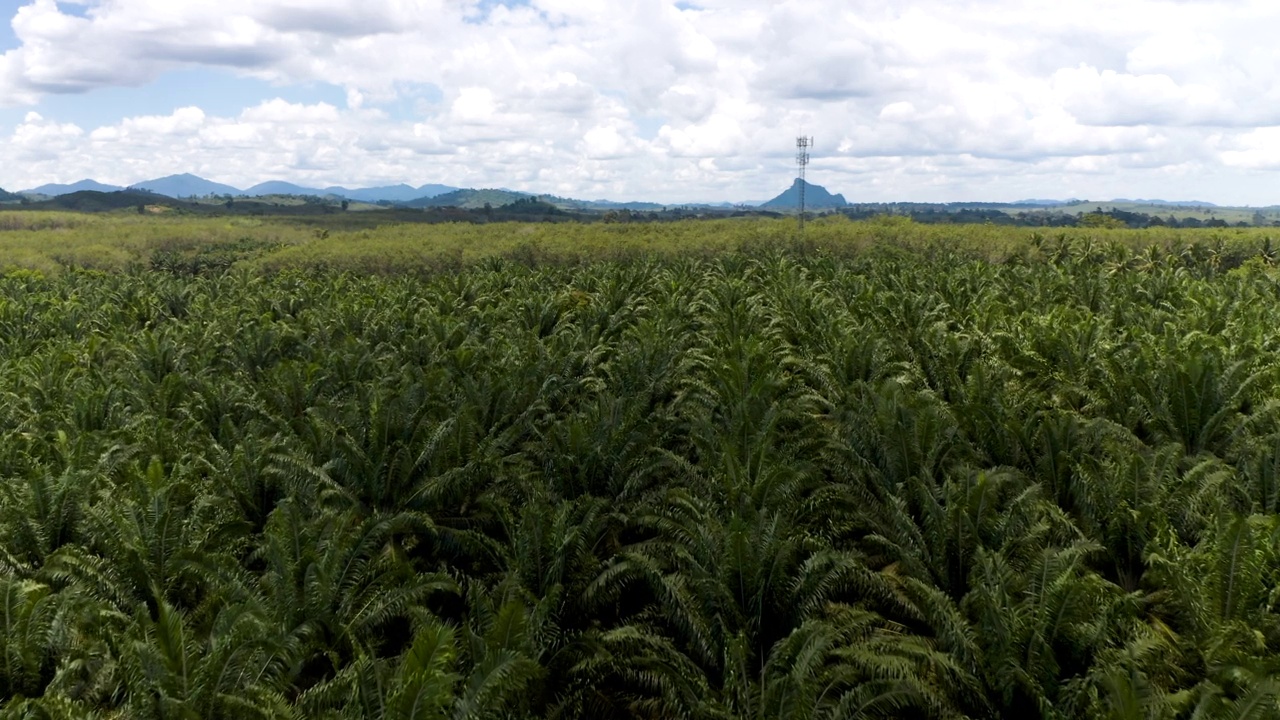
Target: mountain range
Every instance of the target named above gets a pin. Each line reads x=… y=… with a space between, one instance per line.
x=386 y=193
x=188 y=185
x=817 y=198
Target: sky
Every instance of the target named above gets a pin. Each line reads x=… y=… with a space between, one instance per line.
x=696 y=101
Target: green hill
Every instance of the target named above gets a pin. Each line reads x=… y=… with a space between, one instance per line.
x=600 y=205
x=6 y=196
x=469 y=199
x=44 y=192
x=94 y=201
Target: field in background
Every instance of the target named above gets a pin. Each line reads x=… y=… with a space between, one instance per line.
x=55 y=242
x=1206 y=212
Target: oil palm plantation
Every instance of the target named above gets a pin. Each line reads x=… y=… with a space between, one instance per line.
x=780 y=482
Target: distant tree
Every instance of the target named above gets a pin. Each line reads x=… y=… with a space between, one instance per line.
x=1101 y=220
x=345 y=205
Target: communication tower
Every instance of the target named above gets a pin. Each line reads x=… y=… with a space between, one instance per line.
x=802 y=159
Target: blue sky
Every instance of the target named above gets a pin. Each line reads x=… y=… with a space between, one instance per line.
x=8 y=8
x=925 y=100
x=216 y=91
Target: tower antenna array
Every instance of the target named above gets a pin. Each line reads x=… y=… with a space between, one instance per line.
x=802 y=160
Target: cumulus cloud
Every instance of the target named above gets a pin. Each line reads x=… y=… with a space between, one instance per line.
x=39 y=140
x=924 y=99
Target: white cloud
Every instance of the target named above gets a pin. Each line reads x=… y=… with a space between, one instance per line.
x=923 y=99
x=474 y=105
x=1255 y=150
x=42 y=141
x=607 y=142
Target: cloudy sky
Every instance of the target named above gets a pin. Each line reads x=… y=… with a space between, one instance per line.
x=924 y=100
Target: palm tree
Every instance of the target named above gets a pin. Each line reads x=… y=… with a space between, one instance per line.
x=169 y=669
x=333 y=583
x=29 y=643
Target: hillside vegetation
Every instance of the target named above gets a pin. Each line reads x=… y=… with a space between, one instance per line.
x=879 y=473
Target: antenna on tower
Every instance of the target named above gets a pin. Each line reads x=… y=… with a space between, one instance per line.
x=802 y=160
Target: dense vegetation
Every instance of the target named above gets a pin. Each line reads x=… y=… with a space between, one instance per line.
x=389 y=242
x=772 y=483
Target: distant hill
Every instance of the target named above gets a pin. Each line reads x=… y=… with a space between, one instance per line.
x=185 y=185
x=393 y=193
x=469 y=199
x=55 y=189
x=572 y=204
x=431 y=195
x=388 y=193
x=279 y=187
x=1037 y=202
x=816 y=197
x=91 y=201
x=94 y=201
x=472 y=199
x=1123 y=201
x=6 y=196
x=188 y=185
x=1167 y=203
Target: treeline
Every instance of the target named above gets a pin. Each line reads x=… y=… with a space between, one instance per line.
x=557 y=210
x=1011 y=215
x=522 y=210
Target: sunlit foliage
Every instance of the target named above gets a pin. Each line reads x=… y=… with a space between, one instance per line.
x=876 y=473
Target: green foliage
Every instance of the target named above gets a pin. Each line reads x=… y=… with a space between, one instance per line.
x=1100 y=220
x=621 y=471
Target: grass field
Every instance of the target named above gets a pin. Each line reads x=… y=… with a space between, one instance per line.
x=1230 y=215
